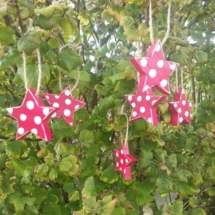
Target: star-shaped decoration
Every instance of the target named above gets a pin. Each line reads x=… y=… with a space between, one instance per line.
x=144 y=106
x=32 y=117
x=180 y=109
x=154 y=69
x=65 y=103
x=124 y=161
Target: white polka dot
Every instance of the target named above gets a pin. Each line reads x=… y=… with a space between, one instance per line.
x=150 y=120
x=77 y=106
x=183 y=102
x=172 y=66
x=134 y=113
x=179 y=110
x=68 y=101
x=143 y=62
x=126 y=160
x=152 y=73
x=23 y=117
x=146 y=87
x=190 y=104
x=121 y=151
x=10 y=110
x=163 y=83
x=30 y=105
x=148 y=98
x=117 y=154
x=45 y=111
x=142 y=109
x=55 y=104
x=186 y=113
x=54 y=115
x=117 y=164
x=34 y=131
x=67 y=92
x=67 y=112
x=160 y=63
x=158 y=48
x=130 y=98
x=183 y=91
x=47 y=97
x=57 y=96
x=120 y=168
x=180 y=119
x=121 y=161
x=139 y=98
x=133 y=105
x=21 y=130
x=175 y=105
x=124 y=171
x=37 y=120
x=71 y=123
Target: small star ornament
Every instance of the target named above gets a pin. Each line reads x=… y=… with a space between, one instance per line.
x=32 y=117
x=154 y=69
x=144 y=106
x=65 y=103
x=180 y=109
x=124 y=161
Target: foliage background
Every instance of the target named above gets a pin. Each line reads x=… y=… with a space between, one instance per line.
x=74 y=173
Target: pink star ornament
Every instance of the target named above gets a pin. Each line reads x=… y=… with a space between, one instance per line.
x=65 y=103
x=124 y=161
x=180 y=109
x=32 y=117
x=154 y=69
x=144 y=106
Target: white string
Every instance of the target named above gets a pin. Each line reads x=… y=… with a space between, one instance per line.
x=150 y=22
x=182 y=79
x=59 y=80
x=127 y=126
x=168 y=23
x=176 y=78
x=39 y=71
x=25 y=70
x=77 y=81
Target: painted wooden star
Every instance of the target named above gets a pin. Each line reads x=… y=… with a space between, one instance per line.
x=65 y=103
x=180 y=109
x=124 y=161
x=32 y=116
x=154 y=69
x=144 y=106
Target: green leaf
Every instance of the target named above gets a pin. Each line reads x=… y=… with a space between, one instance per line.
x=109 y=175
x=193 y=202
x=127 y=21
x=108 y=205
x=118 y=210
x=7 y=36
x=89 y=188
x=53 y=174
x=185 y=189
x=69 y=165
x=201 y=56
x=164 y=185
x=84 y=76
x=176 y=208
x=87 y=138
x=195 y=212
x=69 y=188
x=102 y=51
x=69 y=60
x=14 y=149
x=29 y=42
x=180 y=58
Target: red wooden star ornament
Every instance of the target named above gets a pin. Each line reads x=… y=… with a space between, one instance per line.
x=124 y=161
x=154 y=69
x=65 y=103
x=144 y=106
x=180 y=109
x=32 y=117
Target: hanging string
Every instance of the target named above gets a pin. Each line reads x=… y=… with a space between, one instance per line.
x=39 y=71
x=127 y=126
x=168 y=23
x=25 y=70
x=182 y=79
x=77 y=81
x=60 y=80
x=151 y=24
x=176 y=78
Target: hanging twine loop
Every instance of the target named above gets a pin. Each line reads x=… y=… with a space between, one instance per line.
x=127 y=126
x=39 y=71
x=77 y=81
x=151 y=24
x=25 y=71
